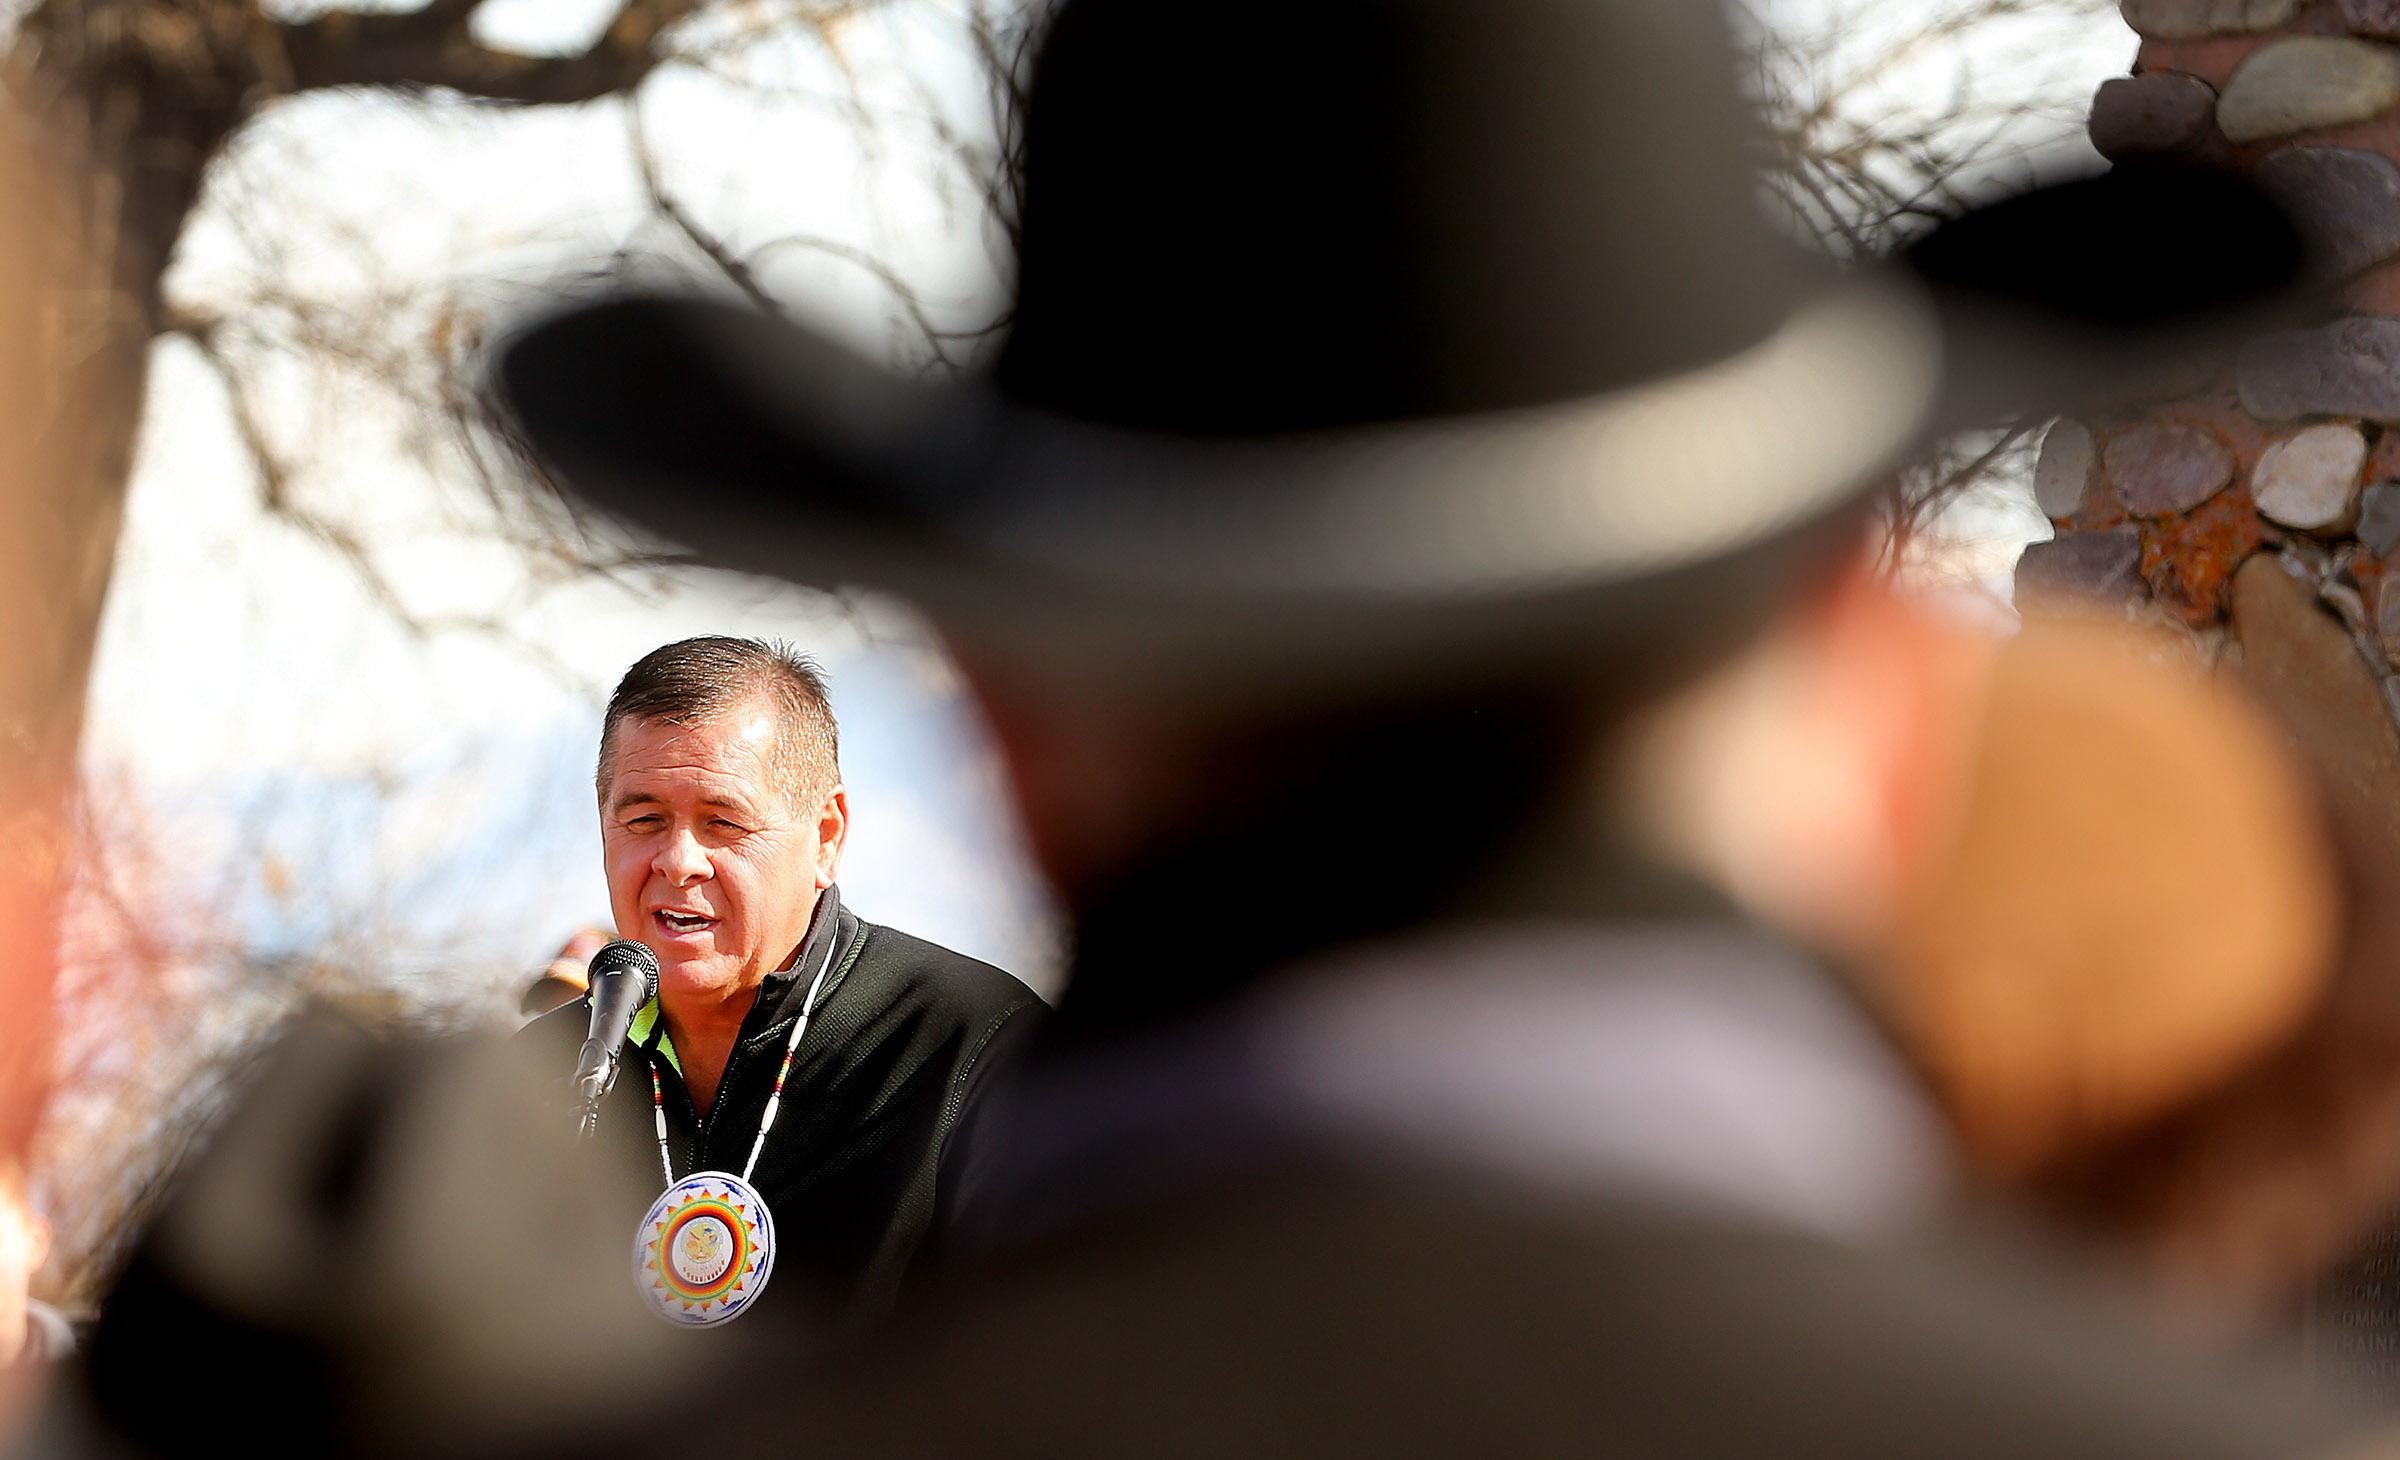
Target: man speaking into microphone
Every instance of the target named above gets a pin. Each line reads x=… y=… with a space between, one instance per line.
x=793 y=1084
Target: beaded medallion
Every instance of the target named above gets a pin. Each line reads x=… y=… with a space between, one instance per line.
x=706 y=1250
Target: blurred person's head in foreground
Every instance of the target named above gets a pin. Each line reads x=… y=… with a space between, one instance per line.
x=1411 y=549
x=566 y=977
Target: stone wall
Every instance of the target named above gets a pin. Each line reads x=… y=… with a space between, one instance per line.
x=2293 y=442
x=2288 y=445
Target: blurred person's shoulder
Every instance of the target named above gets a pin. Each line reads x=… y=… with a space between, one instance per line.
x=1404 y=1315
x=565 y=1025
x=2380 y=1443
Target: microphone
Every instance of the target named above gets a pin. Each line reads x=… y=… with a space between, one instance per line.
x=624 y=976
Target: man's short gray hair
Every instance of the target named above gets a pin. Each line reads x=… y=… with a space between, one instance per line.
x=694 y=681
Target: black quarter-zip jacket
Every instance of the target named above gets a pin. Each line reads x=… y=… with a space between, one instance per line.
x=902 y=1040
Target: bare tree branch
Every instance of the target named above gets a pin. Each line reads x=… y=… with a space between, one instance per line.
x=736 y=270
x=741 y=270
x=434 y=47
x=1855 y=168
x=278 y=497
x=1917 y=494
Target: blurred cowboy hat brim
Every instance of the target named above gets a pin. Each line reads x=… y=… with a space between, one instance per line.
x=760 y=445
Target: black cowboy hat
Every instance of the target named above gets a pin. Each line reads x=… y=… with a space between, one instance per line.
x=1368 y=323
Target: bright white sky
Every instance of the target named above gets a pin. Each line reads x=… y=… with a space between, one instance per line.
x=316 y=776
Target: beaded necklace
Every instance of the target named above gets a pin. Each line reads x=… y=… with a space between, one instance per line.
x=704 y=1252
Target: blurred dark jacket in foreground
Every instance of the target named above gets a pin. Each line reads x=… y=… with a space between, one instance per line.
x=1647 y=1192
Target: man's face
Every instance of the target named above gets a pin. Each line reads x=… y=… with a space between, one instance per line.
x=711 y=865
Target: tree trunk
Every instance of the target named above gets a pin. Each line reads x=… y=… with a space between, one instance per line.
x=117 y=115
x=115 y=109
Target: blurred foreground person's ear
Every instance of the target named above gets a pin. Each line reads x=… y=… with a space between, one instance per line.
x=2155 y=980
x=2082 y=878
x=1811 y=776
x=2090 y=889
x=2253 y=1183
x=2139 y=899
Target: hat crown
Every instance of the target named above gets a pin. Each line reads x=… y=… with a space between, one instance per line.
x=1359 y=210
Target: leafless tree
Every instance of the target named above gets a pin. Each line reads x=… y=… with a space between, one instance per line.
x=1884 y=119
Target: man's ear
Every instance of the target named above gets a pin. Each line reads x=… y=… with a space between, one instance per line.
x=1903 y=684
x=832 y=834
x=1809 y=776
x=2138 y=900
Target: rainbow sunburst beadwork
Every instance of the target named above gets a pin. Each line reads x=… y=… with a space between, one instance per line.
x=706 y=1249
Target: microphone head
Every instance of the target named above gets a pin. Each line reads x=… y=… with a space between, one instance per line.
x=627 y=956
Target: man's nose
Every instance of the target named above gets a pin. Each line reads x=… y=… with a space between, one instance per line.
x=681 y=859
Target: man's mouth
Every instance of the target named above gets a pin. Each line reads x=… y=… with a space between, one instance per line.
x=683 y=922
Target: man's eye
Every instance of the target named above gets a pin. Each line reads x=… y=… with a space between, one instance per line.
x=645 y=823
